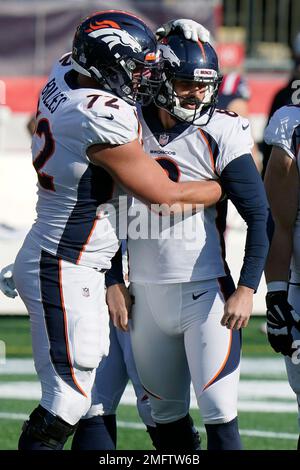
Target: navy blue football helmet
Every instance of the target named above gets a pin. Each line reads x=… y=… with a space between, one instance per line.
x=192 y=61
x=118 y=50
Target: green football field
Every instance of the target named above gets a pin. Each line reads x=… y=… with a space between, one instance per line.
x=260 y=428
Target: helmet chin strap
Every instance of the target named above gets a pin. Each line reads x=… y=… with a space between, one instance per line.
x=190 y=115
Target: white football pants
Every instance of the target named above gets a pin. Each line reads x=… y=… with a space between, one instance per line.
x=69 y=326
x=177 y=337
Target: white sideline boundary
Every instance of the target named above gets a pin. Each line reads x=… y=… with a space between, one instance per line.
x=254 y=396
x=140 y=426
x=257 y=367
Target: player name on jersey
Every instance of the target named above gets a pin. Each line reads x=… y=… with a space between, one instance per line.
x=52 y=96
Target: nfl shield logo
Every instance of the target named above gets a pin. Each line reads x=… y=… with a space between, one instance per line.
x=163 y=139
x=85 y=292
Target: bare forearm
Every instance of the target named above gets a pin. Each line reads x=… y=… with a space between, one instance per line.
x=195 y=192
x=144 y=178
x=205 y=193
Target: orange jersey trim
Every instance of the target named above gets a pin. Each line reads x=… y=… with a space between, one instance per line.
x=222 y=366
x=66 y=330
x=88 y=239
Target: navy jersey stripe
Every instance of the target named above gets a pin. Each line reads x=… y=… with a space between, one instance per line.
x=55 y=318
x=232 y=360
x=221 y=208
x=95 y=188
x=296 y=140
x=214 y=148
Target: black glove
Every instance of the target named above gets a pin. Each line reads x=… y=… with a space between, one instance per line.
x=281 y=318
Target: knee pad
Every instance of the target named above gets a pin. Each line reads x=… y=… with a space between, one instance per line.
x=91 y=342
x=177 y=436
x=49 y=429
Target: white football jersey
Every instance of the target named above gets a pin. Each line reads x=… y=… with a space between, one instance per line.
x=76 y=199
x=188 y=249
x=283 y=131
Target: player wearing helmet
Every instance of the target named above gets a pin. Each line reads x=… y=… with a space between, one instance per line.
x=186 y=71
x=187 y=314
x=85 y=149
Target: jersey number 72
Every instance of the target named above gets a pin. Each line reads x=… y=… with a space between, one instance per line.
x=43 y=129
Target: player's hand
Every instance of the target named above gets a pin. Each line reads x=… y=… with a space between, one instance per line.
x=281 y=318
x=119 y=305
x=7 y=284
x=190 y=28
x=238 y=308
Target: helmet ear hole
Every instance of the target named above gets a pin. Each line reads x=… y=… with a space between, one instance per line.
x=109 y=46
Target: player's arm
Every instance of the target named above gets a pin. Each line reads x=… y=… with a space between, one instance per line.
x=282 y=187
x=144 y=178
x=243 y=186
x=117 y=296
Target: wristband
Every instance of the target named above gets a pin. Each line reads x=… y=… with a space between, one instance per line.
x=277 y=285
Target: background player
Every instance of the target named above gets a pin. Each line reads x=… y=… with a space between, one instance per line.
x=181 y=294
x=283 y=262
x=284 y=95
x=234 y=95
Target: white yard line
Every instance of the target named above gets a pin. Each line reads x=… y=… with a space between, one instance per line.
x=249 y=366
x=133 y=425
x=17 y=366
x=243 y=432
x=254 y=395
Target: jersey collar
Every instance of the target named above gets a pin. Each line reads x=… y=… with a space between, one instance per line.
x=150 y=115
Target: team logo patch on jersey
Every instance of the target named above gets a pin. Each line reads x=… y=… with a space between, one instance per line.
x=163 y=139
x=111 y=33
x=85 y=292
x=168 y=54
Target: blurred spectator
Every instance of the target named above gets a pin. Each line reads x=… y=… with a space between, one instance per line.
x=283 y=96
x=234 y=95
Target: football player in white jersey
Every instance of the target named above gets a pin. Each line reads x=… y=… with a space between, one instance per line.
x=85 y=147
x=187 y=314
x=283 y=262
